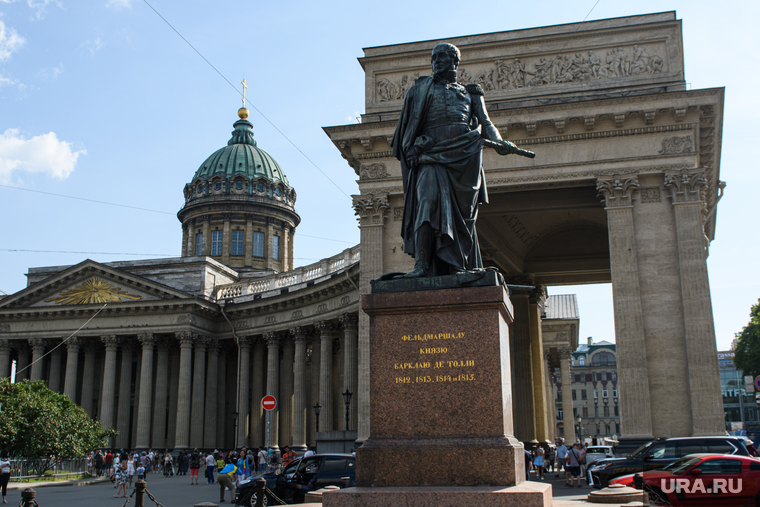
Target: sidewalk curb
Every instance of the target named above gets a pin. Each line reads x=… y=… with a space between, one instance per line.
x=73 y=482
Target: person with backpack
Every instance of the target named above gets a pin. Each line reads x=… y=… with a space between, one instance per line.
x=195 y=464
x=574 y=465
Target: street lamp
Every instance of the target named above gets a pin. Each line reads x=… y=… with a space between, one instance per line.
x=234 y=419
x=580 y=435
x=317 y=408
x=347 y=401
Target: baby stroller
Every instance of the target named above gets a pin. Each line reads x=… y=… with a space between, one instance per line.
x=169 y=467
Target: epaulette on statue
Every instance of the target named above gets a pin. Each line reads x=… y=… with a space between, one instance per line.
x=475 y=89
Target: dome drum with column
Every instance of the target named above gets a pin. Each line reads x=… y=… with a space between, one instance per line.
x=239 y=207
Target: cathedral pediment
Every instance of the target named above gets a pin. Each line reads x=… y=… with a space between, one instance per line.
x=90 y=283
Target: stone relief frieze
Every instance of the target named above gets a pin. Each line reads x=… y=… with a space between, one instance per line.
x=509 y=74
x=650 y=194
x=297 y=314
x=675 y=145
x=373 y=171
x=321 y=308
x=345 y=300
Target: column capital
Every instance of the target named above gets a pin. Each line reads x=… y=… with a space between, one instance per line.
x=272 y=339
x=548 y=355
x=202 y=341
x=148 y=340
x=5 y=345
x=325 y=327
x=111 y=341
x=349 y=320
x=36 y=343
x=299 y=334
x=686 y=185
x=565 y=353
x=72 y=344
x=186 y=338
x=617 y=191
x=372 y=209
x=245 y=341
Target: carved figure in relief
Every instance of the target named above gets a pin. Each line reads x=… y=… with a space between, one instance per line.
x=502 y=74
x=438 y=140
x=595 y=62
x=518 y=73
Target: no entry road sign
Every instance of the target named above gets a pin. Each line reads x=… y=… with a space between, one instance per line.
x=757 y=382
x=268 y=402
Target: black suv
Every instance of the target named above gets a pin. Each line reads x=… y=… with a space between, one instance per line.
x=659 y=453
x=300 y=477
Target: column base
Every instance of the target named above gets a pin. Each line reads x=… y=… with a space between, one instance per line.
x=527 y=494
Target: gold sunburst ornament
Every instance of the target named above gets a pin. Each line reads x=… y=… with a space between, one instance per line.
x=93 y=290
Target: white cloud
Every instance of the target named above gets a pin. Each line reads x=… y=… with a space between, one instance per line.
x=40 y=154
x=93 y=46
x=50 y=72
x=10 y=42
x=119 y=4
x=6 y=81
x=39 y=6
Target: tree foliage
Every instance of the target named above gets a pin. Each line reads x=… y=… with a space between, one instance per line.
x=44 y=426
x=747 y=351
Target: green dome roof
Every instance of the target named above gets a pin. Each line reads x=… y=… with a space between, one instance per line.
x=241 y=156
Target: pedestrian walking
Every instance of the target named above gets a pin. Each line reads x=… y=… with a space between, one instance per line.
x=168 y=464
x=183 y=463
x=574 y=465
x=263 y=460
x=210 y=463
x=5 y=469
x=538 y=462
x=120 y=471
x=195 y=464
x=131 y=468
x=528 y=463
x=561 y=457
x=549 y=458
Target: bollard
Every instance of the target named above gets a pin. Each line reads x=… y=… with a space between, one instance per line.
x=140 y=487
x=27 y=497
x=638 y=481
x=260 y=484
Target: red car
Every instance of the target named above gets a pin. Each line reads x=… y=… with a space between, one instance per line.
x=714 y=480
x=627 y=480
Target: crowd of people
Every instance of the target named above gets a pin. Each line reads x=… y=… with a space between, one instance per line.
x=558 y=457
x=225 y=468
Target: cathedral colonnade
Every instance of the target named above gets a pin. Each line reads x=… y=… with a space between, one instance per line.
x=186 y=389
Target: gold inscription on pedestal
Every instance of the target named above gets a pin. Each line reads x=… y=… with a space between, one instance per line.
x=445 y=364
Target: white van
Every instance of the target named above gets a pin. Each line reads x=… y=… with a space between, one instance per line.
x=597 y=452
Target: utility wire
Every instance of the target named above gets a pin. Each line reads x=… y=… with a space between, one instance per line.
x=251 y=103
x=64 y=341
x=85 y=199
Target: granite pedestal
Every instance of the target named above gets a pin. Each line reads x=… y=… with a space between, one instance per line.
x=441 y=408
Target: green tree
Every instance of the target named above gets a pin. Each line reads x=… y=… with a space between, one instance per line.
x=747 y=351
x=43 y=426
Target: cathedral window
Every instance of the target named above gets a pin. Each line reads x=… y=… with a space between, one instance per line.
x=199 y=244
x=276 y=247
x=258 y=244
x=260 y=187
x=277 y=192
x=239 y=185
x=218 y=185
x=216 y=242
x=237 y=242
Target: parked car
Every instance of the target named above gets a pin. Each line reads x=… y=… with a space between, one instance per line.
x=301 y=476
x=627 y=480
x=659 y=453
x=596 y=452
x=725 y=480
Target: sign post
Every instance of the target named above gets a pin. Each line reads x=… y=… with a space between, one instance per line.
x=268 y=402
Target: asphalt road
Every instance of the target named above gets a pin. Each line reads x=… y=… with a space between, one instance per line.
x=170 y=492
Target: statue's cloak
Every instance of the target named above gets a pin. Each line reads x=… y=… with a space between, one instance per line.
x=456 y=166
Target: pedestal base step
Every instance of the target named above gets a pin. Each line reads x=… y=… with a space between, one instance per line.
x=527 y=494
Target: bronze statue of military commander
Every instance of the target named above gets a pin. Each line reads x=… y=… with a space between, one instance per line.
x=439 y=140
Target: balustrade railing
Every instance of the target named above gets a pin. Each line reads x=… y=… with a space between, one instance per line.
x=289 y=278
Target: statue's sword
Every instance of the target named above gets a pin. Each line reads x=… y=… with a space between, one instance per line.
x=513 y=149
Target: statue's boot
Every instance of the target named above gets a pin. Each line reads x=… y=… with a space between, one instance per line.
x=423 y=243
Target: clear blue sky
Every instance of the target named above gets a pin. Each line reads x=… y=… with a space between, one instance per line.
x=102 y=100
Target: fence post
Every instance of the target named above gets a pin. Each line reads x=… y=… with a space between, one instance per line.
x=260 y=484
x=140 y=487
x=27 y=497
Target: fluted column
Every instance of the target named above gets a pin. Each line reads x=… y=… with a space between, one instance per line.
x=299 y=389
x=286 y=392
x=633 y=377
x=273 y=384
x=244 y=381
x=199 y=389
x=222 y=419
x=551 y=411
x=568 y=419
x=22 y=366
x=5 y=358
x=258 y=390
x=372 y=210
x=270 y=243
x=316 y=356
x=284 y=255
x=54 y=374
x=686 y=193
x=148 y=342
x=182 y=436
x=206 y=239
x=125 y=397
x=350 y=322
x=326 y=336
x=162 y=395
x=108 y=395
x=88 y=379
x=38 y=350
x=72 y=361
x=173 y=394
x=210 y=419
x=537 y=359
x=523 y=407
x=226 y=239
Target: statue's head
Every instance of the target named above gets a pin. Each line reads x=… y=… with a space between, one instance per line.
x=445 y=58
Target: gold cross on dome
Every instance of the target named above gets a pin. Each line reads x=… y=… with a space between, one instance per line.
x=244 y=88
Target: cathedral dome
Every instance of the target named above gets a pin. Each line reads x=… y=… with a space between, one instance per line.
x=241 y=156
